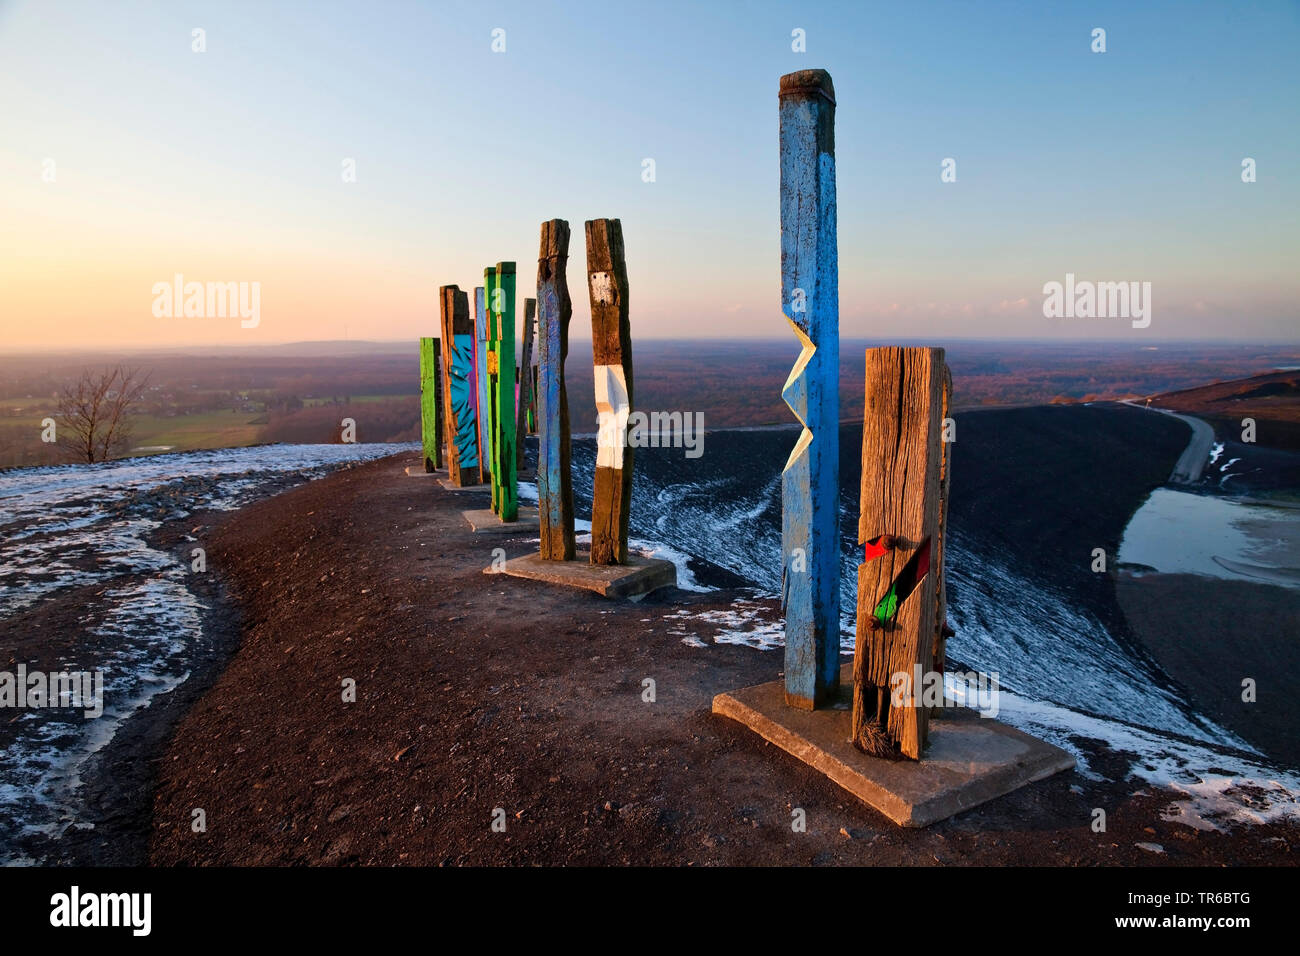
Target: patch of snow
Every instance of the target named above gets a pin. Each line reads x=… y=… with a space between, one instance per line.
x=71 y=526
x=747 y=623
x=1255 y=793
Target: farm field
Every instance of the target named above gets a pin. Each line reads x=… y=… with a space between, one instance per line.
x=225 y=429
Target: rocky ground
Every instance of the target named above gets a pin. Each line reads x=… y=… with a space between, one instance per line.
x=492 y=698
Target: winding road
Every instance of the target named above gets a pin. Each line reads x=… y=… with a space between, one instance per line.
x=1190 y=464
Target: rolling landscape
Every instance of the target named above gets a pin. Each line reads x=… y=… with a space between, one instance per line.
x=299 y=393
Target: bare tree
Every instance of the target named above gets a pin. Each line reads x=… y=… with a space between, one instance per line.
x=94 y=412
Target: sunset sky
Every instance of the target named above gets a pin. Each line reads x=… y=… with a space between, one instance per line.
x=226 y=165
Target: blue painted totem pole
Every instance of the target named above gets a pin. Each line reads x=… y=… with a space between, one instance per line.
x=554 y=477
x=810 y=301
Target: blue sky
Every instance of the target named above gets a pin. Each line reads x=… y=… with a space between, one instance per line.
x=225 y=165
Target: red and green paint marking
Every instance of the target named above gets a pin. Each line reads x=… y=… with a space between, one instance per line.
x=904 y=583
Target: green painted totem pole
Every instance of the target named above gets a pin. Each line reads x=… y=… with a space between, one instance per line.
x=430 y=398
x=500 y=283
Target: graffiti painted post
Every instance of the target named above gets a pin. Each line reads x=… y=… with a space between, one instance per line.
x=554 y=477
x=430 y=435
x=490 y=368
x=501 y=319
x=481 y=381
x=899 y=526
x=611 y=347
x=457 y=375
x=810 y=301
x=525 y=378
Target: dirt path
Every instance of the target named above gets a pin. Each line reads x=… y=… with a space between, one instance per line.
x=478 y=695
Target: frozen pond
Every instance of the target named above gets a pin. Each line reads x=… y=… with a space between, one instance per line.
x=1177 y=532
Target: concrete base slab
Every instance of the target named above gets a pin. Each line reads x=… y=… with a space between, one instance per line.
x=969 y=759
x=417 y=471
x=640 y=575
x=485 y=521
x=452 y=486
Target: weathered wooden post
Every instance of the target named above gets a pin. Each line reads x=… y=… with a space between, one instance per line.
x=554 y=311
x=457 y=408
x=899 y=525
x=501 y=318
x=611 y=346
x=430 y=435
x=941 y=629
x=810 y=301
x=532 y=408
x=481 y=382
x=903 y=496
x=525 y=378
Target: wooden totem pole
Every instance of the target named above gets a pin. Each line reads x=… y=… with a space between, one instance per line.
x=525 y=390
x=501 y=369
x=901 y=607
x=532 y=390
x=481 y=404
x=941 y=629
x=611 y=345
x=810 y=301
x=430 y=399
x=457 y=374
x=554 y=310
x=490 y=370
